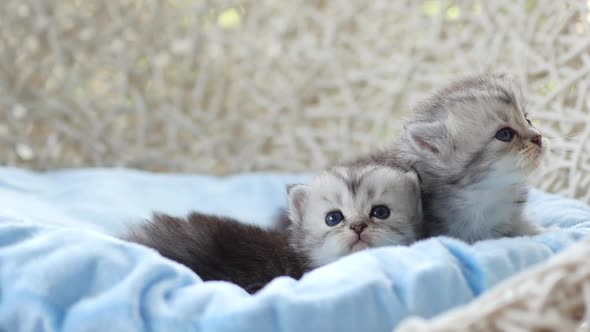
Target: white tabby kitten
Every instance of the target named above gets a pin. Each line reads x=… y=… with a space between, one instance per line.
x=473 y=146
x=346 y=209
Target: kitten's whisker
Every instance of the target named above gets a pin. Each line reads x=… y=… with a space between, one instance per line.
x=560 y=145
x=571 y=136
x=567 y=138
x=561 y=149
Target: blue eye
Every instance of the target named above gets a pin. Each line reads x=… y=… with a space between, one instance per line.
x=380 y=212
x=334 y=218
x=505 y=134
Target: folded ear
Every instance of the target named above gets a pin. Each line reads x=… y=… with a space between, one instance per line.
x=426 y=137
x=298 y=194
x=414 y=183
x=413 y=192
x=414 y=176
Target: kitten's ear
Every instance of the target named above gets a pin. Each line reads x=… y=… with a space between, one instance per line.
x=426 y=136
x=297 y=196
x=414 y=176
x=413 y=192
x=415 y=182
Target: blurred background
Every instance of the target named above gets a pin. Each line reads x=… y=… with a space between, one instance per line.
x=236 y=86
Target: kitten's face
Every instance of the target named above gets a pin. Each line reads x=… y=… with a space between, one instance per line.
x=476 y=124
x=345 y=210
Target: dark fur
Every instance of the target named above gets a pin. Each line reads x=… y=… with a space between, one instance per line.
x=219 y=248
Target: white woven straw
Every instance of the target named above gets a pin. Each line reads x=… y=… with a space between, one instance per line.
x=233 y=86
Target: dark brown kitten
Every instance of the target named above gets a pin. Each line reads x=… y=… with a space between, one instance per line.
x=220 y=248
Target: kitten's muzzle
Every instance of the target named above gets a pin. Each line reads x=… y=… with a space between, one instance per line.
x=537 y=140
x=358 y=227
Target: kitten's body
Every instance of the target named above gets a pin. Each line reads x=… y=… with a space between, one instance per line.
x=482 y=207
x=219 y=248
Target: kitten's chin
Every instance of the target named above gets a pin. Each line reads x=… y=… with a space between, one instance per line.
x=531 y=163
x=524 y=163
x=359 y=245
x=534 y=165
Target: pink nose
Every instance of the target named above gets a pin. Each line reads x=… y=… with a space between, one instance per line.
x=538 y=140
x=358 y=227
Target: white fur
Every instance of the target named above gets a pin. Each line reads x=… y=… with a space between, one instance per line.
x=486 y=208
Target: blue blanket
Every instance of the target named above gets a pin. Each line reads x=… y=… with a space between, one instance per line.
x=61 y=270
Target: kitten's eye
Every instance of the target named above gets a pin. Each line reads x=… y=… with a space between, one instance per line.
x=380 y=212
x=528 y=121
x=334 y=218
x=505 y=134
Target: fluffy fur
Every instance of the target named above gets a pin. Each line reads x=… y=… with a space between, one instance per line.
x=354 y=190
x=474 y=186
x=219 y=248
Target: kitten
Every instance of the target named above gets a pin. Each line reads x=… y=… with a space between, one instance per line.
x=341 y=211
x=350 y=208
x=473 y=147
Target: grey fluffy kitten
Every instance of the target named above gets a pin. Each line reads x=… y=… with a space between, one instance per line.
x=342 y=210
x=473 y=146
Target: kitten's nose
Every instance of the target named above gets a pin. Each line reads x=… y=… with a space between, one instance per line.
x=538 y=140
x=358 y=227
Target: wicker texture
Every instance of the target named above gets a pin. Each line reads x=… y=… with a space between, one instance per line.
x=203 y=86
x=554 y=296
